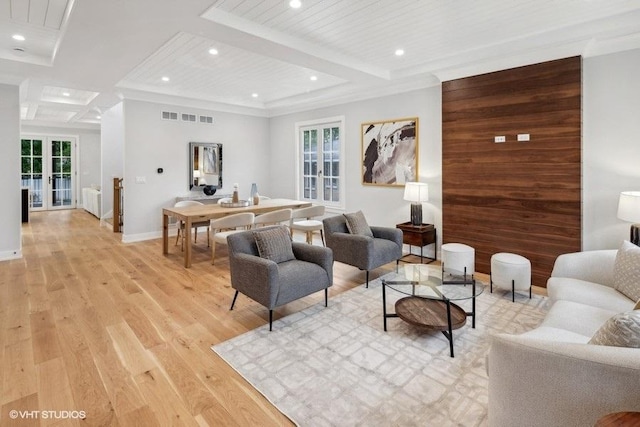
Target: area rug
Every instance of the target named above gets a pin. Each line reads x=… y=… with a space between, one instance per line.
x=336 y=366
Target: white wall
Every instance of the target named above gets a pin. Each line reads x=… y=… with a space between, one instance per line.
x=88 y=154
x=152 y=143
x=611 y=144
x=381 y=205
x=112 y=154
x=10 y=214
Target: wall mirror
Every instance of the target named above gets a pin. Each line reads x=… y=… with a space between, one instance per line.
x=205 y=165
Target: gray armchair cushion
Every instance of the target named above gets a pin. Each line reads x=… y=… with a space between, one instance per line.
x=272 y=284
x=357 y=224
x=363 y=252
x=274 y=244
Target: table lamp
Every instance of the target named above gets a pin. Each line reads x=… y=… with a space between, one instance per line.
x=416 y=193
x=629 y=210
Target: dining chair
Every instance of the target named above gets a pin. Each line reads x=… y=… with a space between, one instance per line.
x=306 y=222
x=223 y=227
x=273 y=218
x=194 y=225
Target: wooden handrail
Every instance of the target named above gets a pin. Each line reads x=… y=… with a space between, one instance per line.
x=118 y=211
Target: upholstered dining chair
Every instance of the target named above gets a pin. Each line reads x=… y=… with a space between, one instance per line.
x=273 y=218
x=272 y=270
x=303 y=220
x=194 y=225
x=222 y=228
x=355 y=243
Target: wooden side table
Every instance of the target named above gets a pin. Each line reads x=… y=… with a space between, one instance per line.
x=419 y=235
x=620 y=419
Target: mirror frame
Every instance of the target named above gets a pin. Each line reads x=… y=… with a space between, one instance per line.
x=192 y=150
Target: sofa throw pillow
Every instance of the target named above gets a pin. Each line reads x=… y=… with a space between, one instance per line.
x=626 y=271
x=357 y=224
x=622 y=330
x=274 y=244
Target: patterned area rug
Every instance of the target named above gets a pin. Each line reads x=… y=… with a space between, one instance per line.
x=336 y=366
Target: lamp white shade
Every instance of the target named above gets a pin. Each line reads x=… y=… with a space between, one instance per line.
x=416 y=192
x=629 y=206
x=196 y=173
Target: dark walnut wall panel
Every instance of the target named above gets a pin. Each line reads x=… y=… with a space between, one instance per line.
x=521 y=197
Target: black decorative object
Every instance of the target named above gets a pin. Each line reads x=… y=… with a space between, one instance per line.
x=209 y=190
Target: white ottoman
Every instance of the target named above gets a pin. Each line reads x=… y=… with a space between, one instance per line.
x=511 y=272
x=458 y=258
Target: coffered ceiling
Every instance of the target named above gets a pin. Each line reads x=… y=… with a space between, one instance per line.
x=80 y=57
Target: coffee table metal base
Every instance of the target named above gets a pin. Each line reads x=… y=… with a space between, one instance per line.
x=434 y=315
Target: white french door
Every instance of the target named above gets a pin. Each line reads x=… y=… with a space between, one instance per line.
x=321 y=171
x=49 y=171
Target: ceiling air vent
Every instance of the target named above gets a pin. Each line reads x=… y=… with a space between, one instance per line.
x=169 y=115
x=188 y=117
x=206 y=120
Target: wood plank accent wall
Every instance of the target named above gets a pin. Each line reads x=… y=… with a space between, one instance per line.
x=520 y=197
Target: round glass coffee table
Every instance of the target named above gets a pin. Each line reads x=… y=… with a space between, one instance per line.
x=429 y=298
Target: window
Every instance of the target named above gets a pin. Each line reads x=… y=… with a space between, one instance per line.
x=320 y=165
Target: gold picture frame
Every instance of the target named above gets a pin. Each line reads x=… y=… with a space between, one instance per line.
x=389 y=152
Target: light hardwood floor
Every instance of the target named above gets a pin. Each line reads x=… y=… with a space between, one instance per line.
x=123 y=333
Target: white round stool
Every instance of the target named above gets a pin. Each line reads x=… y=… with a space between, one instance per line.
x=458 y=258
x=511 y=272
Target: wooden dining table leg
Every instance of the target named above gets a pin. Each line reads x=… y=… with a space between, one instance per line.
x=187 y=238
x=165 y=234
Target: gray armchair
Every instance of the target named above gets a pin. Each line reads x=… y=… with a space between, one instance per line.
x=366 y=253
x=275 y=284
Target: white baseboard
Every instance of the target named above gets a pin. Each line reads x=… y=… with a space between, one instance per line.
x=9 y=255
x=140 y=237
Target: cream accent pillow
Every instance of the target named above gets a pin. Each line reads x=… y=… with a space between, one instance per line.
x=626 y=271
x=274 y=244
x=622 y=330
x=357 y=224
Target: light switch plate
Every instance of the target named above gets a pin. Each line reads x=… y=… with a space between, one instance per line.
x=141 y=180
x=498 y=139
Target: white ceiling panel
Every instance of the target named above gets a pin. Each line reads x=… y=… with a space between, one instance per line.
x=54 y=114
x=39 y=21
x=55 y=11
x=232 y=75
x=371 y=30
x=67 y=96
x=107 y=50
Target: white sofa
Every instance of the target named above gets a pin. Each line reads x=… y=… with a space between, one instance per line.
x=551 y=376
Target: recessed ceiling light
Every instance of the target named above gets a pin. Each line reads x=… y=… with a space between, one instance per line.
x=213 y=51
x=295 y=4
x=399 y=52
x=313 y=78
x=165 y=79
x=66 y=94
x=255 y=95
x=18 y=37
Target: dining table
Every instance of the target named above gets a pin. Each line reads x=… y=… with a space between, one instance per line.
x=192 y=214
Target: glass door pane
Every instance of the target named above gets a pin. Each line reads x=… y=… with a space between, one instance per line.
x=61 y=175
x=31 y=171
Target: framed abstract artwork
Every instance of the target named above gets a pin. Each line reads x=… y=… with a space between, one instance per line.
x=390 y=152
